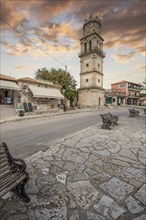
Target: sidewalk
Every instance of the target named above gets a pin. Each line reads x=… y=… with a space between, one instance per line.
x=96 y=174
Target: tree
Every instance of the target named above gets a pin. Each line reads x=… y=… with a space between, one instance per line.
x=61 y=77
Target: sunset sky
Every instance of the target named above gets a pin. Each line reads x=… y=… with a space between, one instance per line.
x=55 y=26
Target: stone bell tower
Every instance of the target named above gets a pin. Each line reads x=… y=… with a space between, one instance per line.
x=91 y=92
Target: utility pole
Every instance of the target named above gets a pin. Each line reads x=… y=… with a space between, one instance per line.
x=65 y=69
x=65 y=102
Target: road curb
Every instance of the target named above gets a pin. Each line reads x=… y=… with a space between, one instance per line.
x=44 y=115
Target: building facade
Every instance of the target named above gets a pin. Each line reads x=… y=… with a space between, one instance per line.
x=28 y=94
x=123 y=92
x=91 y=92
x=8 y=90
x=38 y=94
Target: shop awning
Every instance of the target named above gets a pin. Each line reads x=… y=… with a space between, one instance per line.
x=41 y=92
x=4 y=84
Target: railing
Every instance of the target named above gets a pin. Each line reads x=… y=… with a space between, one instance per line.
x=94 y=49
x=133 y=96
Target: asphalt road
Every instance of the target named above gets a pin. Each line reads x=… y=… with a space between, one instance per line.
x=29 y=136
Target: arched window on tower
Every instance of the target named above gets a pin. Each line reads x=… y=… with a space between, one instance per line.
x=90 y=45
x=85 y=47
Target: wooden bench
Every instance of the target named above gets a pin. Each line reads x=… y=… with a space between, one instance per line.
x=109 y=119
x=12 y=174
x=133 y=112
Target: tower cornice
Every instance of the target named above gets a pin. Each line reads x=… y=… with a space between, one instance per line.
x=92 y=71
x=92 y=87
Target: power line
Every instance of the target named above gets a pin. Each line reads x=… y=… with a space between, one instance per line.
x=32 y=42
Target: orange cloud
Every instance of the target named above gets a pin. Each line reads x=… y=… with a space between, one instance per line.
x=11 y=16
x=21 y=67
x=123 y=58
x=123 y=23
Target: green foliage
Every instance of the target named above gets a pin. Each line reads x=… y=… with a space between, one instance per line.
x=59 y=76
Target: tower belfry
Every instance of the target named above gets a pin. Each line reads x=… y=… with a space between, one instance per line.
x=91 y=92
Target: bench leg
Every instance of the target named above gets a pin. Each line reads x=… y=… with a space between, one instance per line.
x=106 y=126
x=131 y=115
x=19 y=190
x=137 y=113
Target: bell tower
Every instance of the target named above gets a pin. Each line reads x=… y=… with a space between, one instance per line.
x=91 y=92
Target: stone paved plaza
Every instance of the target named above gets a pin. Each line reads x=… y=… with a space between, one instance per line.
x=96 y=174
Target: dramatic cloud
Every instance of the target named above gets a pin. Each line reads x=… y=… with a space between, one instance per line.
x=12 y=17
x=58 y=24
x=123 y=58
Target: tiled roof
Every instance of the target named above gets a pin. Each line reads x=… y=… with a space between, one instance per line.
x=27 y=79
x=8 y=78
x=123 y=81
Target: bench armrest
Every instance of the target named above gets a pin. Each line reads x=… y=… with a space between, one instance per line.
x=15 y=164
x=18 y=164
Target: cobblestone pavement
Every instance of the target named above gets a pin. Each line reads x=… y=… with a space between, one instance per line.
x=96 y=174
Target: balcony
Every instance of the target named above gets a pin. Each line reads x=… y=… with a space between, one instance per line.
x=133 y=96
x=93 y=50
x=132 y=86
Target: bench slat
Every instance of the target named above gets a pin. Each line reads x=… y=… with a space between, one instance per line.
x=4 y=155
x=4 y=165
x=4 y=174
x=4 y=169
x=12 y=177
x=12 y=185
x=2 y=150
x=3 y=158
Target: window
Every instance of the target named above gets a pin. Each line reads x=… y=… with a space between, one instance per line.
x=98 y=65
x=85 y=47
x=98 y=80
x=87 y=65
x=122 y=85
x=87 y=80
x=99 y=100
x=90 y=45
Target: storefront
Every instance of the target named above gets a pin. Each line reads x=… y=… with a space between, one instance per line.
x=8 y=91
x=46 y=98
x=38 y=95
